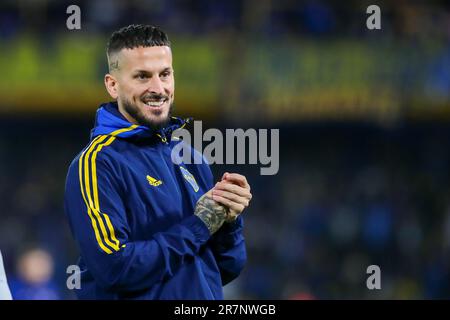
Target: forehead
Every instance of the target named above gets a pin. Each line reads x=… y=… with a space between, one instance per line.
x=146 y=58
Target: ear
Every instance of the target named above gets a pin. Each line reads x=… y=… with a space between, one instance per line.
x=111 y=85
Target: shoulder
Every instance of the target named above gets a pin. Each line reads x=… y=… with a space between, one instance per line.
x=99 y=161
x=102 y=150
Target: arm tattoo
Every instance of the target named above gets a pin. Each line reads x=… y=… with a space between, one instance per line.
x=211 y=213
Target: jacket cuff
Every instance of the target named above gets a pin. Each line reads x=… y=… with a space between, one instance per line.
x=232 y=227
x=198 y=228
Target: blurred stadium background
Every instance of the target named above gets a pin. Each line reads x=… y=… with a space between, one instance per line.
x=364 y=119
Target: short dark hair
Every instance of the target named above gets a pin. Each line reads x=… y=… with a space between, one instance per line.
x=134 y=36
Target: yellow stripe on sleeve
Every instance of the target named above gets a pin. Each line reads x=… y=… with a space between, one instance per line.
x=93 y=220
x=91 y=198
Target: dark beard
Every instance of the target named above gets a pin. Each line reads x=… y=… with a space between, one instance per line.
x=136 y=113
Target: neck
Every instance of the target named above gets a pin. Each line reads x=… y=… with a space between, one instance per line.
x=126 y=114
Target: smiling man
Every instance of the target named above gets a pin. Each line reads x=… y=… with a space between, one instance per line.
x=148 y=228
x=141 y=79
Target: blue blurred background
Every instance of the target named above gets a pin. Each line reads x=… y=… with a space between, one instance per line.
x=364 y=119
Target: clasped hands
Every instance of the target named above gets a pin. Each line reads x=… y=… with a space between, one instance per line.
x=224 y=202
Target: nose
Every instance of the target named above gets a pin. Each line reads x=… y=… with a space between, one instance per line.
x=156 y=86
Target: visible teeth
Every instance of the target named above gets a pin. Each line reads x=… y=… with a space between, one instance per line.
x=154 y=103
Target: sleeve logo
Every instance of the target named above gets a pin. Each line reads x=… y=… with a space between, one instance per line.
x=190 y=178
x=153 y=182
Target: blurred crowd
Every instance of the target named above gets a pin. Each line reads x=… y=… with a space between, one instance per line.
x=271 y=18
x=284 y=60
x=348 y=197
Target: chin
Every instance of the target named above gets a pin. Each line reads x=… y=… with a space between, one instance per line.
x=156 y=122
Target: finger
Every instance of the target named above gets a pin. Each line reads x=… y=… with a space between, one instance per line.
x=228 y=203
x=232 y=196
x=237 y=178
x=224 y=175
x=233 y=188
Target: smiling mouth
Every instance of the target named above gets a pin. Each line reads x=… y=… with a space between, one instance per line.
x=155 y=103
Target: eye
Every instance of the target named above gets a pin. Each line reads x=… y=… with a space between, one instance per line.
x=165 y=74
x=141 y=76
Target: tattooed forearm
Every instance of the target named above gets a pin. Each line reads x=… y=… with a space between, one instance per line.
x=211 y=213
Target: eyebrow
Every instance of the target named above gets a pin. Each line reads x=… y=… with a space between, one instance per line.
x=139 y=71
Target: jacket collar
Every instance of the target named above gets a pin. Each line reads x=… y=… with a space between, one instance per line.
x=109 y=121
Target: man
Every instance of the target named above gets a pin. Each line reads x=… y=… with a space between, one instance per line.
x=148 y=228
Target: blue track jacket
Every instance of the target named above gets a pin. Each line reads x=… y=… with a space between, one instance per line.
x=131 y=211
